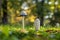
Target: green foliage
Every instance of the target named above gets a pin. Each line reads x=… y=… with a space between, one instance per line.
x=9 y=32
x=5 y=30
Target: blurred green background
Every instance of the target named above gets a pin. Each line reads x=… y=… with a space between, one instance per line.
x=48 y=11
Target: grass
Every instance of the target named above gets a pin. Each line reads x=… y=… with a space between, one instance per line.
x=14 y=32
x=18 y=27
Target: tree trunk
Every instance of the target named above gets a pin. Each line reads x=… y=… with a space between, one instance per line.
x=4 y=6
x=40 y=11
x=0 y=10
